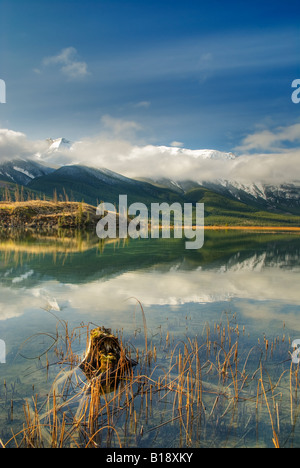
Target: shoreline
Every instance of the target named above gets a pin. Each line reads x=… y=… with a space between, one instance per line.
x=253 y=228
x=37 y=214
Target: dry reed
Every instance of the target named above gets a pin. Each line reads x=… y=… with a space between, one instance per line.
x=208 y=390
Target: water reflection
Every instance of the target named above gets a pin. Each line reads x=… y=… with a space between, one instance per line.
x=79 y=280
x=97 y=278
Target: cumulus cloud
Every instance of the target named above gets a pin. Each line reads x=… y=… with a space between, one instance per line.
x=70 y=65
x=15 y=145
x=270 y=168
x=266 y=140
x=267 y=157
x=113 y=127
x=185 y=164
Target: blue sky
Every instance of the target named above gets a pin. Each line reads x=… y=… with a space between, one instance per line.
x=202 y=74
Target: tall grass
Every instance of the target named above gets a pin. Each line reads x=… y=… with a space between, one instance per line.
x=201 y=391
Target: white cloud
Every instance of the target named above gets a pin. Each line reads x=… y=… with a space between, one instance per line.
x=69 y=64
x=114 y=151
x=114 y=127
x=112 y=148
x=178 y=144
x=267 y=140
x=16 y=145
x=144 y=104
x=178 y=286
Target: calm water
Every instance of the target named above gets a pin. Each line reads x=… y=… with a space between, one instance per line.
x=253 y=276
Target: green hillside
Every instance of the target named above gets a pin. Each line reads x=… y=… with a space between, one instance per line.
x=220 y=211
x=9 y=191
x=80 y=183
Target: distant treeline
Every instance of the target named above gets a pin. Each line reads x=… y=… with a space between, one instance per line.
x=16 y=193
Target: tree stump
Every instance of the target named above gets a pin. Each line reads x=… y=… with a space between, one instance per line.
x=104 y=355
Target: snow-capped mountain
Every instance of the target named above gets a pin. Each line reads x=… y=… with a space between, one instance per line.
x=196 y=154
x=59 y=144
x=206 y=154
x=21 y=171
x=58 y=152
x=281 y=198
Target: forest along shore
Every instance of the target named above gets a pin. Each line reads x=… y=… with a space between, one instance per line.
x=41 y=214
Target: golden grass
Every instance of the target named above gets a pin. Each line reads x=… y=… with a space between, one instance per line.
x=253 y=228
x=46 y=245
x=39 y=203
x=47 y=208
x=201 y=389
x=37 y=214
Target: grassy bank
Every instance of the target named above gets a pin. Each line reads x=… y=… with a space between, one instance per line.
x=37 y=214
x=42 y=214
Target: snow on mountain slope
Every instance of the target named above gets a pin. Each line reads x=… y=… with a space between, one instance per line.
x=206 y=154
x=21 y=171
x=58 y=144
x=152 y=150
x=59 y=153
x=85 y=173
x=237 y=189
x=281 y=197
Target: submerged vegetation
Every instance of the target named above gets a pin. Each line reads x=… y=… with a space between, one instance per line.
x=195 y=384
x=217 y=389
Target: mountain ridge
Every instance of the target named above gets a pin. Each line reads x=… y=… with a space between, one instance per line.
x=225 y=202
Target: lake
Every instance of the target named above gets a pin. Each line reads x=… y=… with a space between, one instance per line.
x=238 y=297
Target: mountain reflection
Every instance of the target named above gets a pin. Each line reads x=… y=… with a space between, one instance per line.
x=79 y=272
x=82 y=273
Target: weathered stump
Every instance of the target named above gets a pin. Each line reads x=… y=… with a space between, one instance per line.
x=105 y=356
